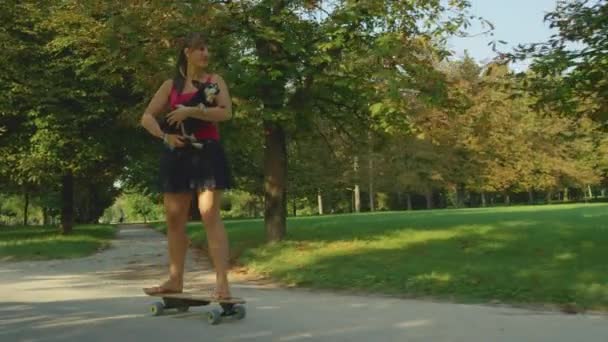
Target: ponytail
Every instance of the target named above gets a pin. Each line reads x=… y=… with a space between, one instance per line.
x=179 y=80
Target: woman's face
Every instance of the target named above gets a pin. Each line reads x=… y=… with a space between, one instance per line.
x=198 y=56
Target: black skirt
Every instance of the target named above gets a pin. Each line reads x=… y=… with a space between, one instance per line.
x=189 y=169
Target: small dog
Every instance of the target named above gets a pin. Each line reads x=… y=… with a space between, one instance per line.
x=206 y=95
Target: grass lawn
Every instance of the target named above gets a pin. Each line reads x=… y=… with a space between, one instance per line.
x=42 y=243
x=554 y=254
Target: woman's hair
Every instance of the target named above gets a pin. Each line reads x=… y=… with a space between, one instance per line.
x=193 y=40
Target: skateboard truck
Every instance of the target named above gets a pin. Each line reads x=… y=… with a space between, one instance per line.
x=231 y=308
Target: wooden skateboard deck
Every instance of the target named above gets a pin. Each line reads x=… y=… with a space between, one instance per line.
x=231 y=307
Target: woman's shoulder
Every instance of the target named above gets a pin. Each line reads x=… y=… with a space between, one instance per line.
x=168 y=83
x=167 y=86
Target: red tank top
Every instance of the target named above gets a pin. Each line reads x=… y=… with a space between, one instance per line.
x=208 y=130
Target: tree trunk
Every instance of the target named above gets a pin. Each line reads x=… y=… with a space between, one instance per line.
x=271 y=90
x=399 y=201
x=357 y=199
x=26 y=207
x=253 y=207
x=84 y=210
x=45 y=216
x=566 y=199
x=275 y=176
x=320 y=202
x=507 y=199
x=483 y=199
x=408 y=197
x=429 y=198
x=357 y=193
x=460 y=189
x=371 y=185
x=530 y=196
x=67 y=203
x=371 y=172
x=294 y=206
x=549 y=197
x=590 y=192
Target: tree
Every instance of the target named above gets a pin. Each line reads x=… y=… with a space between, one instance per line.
x=282 y=59
x=570 y=67
x=61 y=119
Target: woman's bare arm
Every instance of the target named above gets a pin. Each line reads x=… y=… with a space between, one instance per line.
x=157 y=105
x=222 y=112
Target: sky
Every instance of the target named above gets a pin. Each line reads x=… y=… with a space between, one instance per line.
x=515 y=21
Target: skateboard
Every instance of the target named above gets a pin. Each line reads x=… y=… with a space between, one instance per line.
x=231 y=307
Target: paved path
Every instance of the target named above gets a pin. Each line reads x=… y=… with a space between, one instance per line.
x=99 y=298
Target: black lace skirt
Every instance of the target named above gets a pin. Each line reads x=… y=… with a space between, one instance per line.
x=189 y=169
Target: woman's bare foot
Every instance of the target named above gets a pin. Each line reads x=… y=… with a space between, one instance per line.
x=222 y=290
x=222 y=294
x=169 y=286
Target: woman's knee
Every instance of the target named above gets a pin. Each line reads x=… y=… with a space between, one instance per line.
x=209 y=207
x=176 y=210
x=209 y=215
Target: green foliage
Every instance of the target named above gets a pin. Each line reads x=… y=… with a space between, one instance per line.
x=11 y=209
x=134 y=207
x=569 y=70
x=365 y=80
x=468 y=256
x=240 y=204
x=45 y=242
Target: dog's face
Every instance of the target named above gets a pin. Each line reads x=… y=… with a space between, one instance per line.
x=211 y=91
x=207 y=92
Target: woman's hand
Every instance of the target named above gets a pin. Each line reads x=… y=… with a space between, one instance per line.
x=177 y=116
x=174 y=140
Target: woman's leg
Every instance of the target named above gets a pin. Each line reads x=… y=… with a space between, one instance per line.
x=177 y=206
x=217 y=239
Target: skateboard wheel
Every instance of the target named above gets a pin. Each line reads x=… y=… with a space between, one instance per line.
x=183 y=309
x=214 y=316
x=239 y=312
x=157 y=309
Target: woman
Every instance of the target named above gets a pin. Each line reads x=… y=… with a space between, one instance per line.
x=193 y=160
